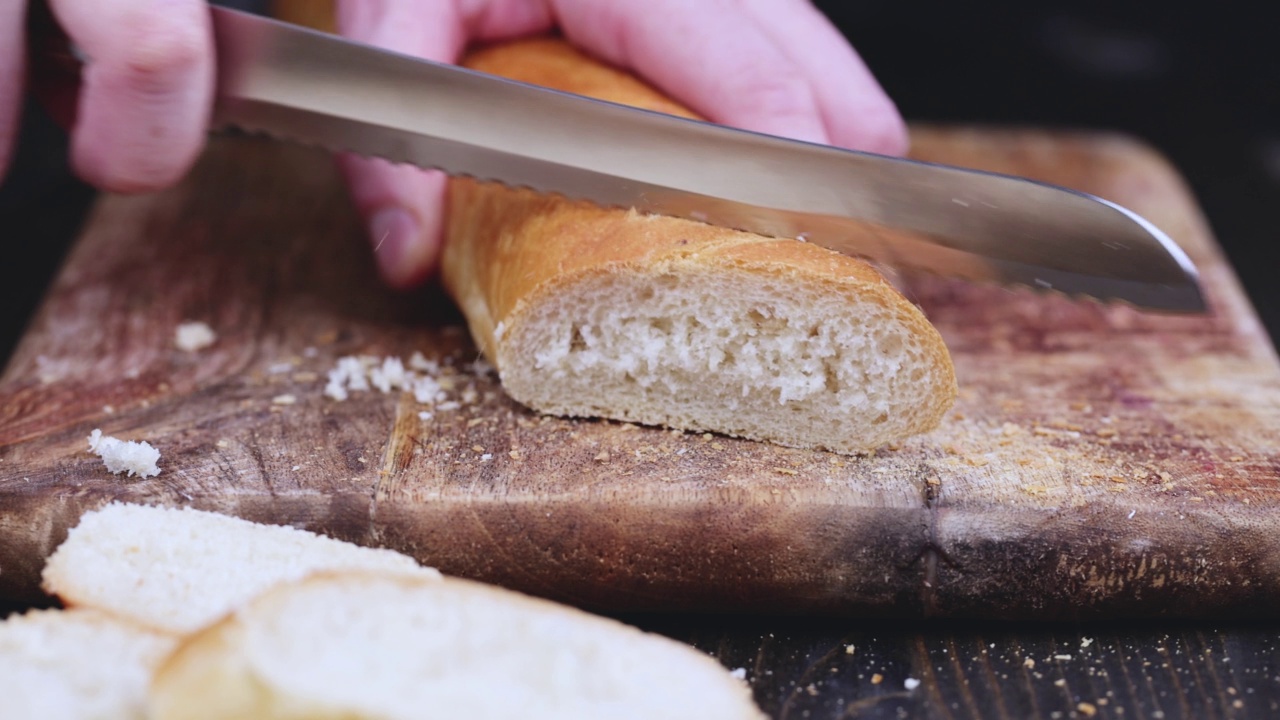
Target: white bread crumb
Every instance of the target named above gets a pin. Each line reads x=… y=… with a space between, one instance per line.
x=127 y=456
x=194 y=335
x=430 y=382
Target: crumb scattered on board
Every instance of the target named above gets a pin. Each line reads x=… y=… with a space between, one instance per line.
x=430 y=383
x=193 y=335
x=125 y=456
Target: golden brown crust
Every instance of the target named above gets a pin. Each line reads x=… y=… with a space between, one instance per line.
x=508 y=249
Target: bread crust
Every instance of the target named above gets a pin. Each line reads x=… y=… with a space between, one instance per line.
x=508 y=250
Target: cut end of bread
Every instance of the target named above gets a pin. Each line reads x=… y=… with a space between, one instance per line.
x=176 y=570
x=361 y=645
x=799 y=361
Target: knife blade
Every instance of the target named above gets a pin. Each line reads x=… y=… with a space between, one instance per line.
x=306 y=86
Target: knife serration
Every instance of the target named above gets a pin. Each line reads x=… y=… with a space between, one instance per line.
x=306 y=86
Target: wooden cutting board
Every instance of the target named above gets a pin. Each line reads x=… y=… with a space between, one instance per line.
x=1099 y=461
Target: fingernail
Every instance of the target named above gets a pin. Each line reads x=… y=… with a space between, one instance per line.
x=393 y=232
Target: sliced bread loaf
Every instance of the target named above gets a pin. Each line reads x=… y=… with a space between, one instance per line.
x=177 y=570
x=363 y=646
x=76 y=665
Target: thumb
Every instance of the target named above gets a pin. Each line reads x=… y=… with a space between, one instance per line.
x=402 y=206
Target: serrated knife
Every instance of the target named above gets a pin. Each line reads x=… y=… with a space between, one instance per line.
x=307 y=86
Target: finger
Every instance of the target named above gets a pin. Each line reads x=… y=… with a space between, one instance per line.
x=709 y=55
x=147 y=89
x=402 y=207
x=855 y=110
x=403 y=212
x=12 y=55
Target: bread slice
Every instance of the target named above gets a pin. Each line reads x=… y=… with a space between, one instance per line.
x=362 y=645
x=176 y=570
x=607 y=313
x=76 y=665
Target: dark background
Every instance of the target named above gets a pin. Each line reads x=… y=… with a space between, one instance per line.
x=1200 y=82
x=1197 y=83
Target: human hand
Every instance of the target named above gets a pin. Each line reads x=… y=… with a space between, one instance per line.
x=144 y=102
x=774 y=66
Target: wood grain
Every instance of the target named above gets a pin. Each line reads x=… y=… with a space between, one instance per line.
x=1099 y=462
x=833 y=670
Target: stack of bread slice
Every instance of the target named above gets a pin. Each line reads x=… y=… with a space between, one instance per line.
x=179 y=613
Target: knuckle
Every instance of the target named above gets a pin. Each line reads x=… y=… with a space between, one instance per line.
x=162 y=54
x=778 y=93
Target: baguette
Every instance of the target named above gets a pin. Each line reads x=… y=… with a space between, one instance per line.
x=594 y=312
x=358 y=645
x=76 y=665
x=176 y=570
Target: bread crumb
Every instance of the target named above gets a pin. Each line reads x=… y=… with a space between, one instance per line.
x=284 y=400
x=477 y=448
x=876 y=679
x=1029 y=663
x=911 y=683
x=127 y=456
x=785 y=471
x=849 y=649
x=222 y=444
x=603 y=456
x=193 y=335
x=1087 y=709
x=1062 y=657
